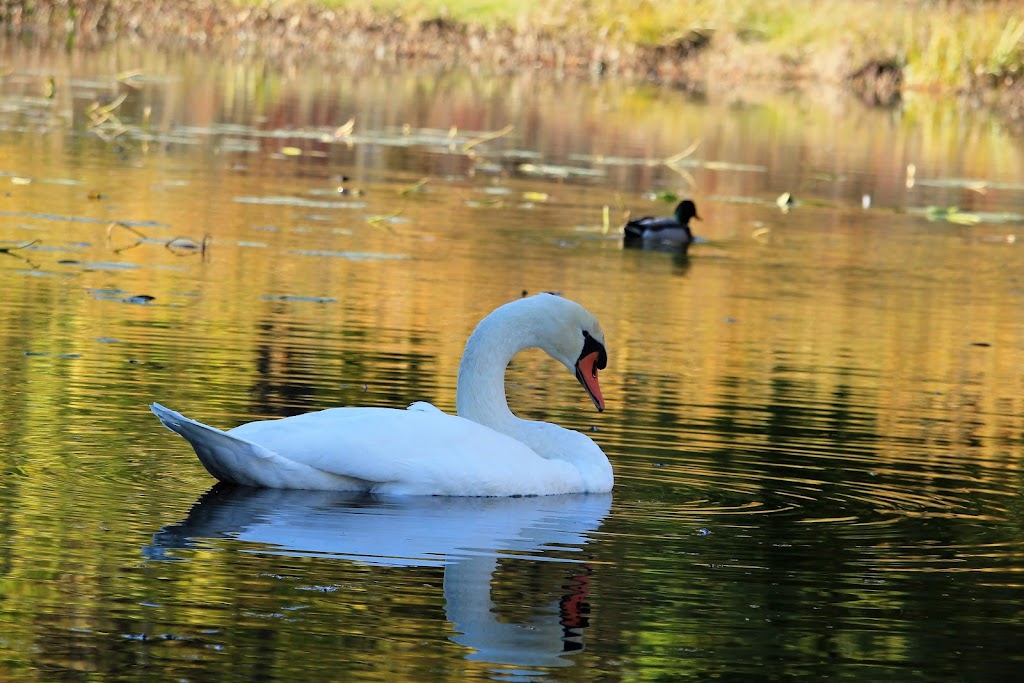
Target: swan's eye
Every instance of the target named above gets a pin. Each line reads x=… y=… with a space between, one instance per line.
x=591 y=345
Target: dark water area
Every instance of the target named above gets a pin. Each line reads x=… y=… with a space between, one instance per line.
x=815 y=419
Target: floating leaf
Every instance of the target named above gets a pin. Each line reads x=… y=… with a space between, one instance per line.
x=950 y=214
x=536 y=196
x=291 y=151
x=963 y=218
x=936 y=213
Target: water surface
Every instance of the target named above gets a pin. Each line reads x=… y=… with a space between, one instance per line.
x=815 y=420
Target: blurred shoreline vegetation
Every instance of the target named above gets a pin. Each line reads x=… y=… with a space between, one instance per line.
x=878 y=49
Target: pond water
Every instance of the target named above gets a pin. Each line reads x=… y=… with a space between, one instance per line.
x=815 y=420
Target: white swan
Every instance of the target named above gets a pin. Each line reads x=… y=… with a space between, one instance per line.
x=484 y=451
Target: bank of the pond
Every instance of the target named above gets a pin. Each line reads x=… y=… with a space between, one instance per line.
x=877 y=50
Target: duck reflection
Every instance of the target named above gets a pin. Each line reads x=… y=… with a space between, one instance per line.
x=467 y=536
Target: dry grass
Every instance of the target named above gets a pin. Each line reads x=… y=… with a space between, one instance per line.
x=951 y=44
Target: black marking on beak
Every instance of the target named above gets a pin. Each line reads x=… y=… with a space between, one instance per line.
x=589 y=346
x=592 y=358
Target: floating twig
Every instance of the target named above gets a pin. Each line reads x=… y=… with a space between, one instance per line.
x=128 y=78
x=415 y=187
x=10 y=251
x=118 y=224
x=673 y=161
x=676 y=158
x=487 y=136
x=383 y=218
x=687 y=176
x=111 y=106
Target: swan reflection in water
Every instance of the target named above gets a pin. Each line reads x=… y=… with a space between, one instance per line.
x=467 y=536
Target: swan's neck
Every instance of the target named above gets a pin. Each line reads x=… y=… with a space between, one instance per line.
x=480 y=393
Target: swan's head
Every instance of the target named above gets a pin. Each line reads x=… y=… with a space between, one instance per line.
x=568 y=332
x=571 y=334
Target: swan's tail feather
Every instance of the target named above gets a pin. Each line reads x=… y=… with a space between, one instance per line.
x=226 y=457
x=235 y=460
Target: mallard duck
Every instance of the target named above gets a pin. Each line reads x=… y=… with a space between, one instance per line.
x=665 y=233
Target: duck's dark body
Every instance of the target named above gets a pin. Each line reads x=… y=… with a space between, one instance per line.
x=672 y=233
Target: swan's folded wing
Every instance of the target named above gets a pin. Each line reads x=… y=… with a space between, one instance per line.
x=407 y=451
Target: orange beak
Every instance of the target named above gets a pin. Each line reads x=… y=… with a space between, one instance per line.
x=586 y=373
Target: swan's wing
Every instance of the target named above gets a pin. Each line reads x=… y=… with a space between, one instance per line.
x=421 y=451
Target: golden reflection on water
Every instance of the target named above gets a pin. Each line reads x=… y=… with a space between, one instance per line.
x=818 y=396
